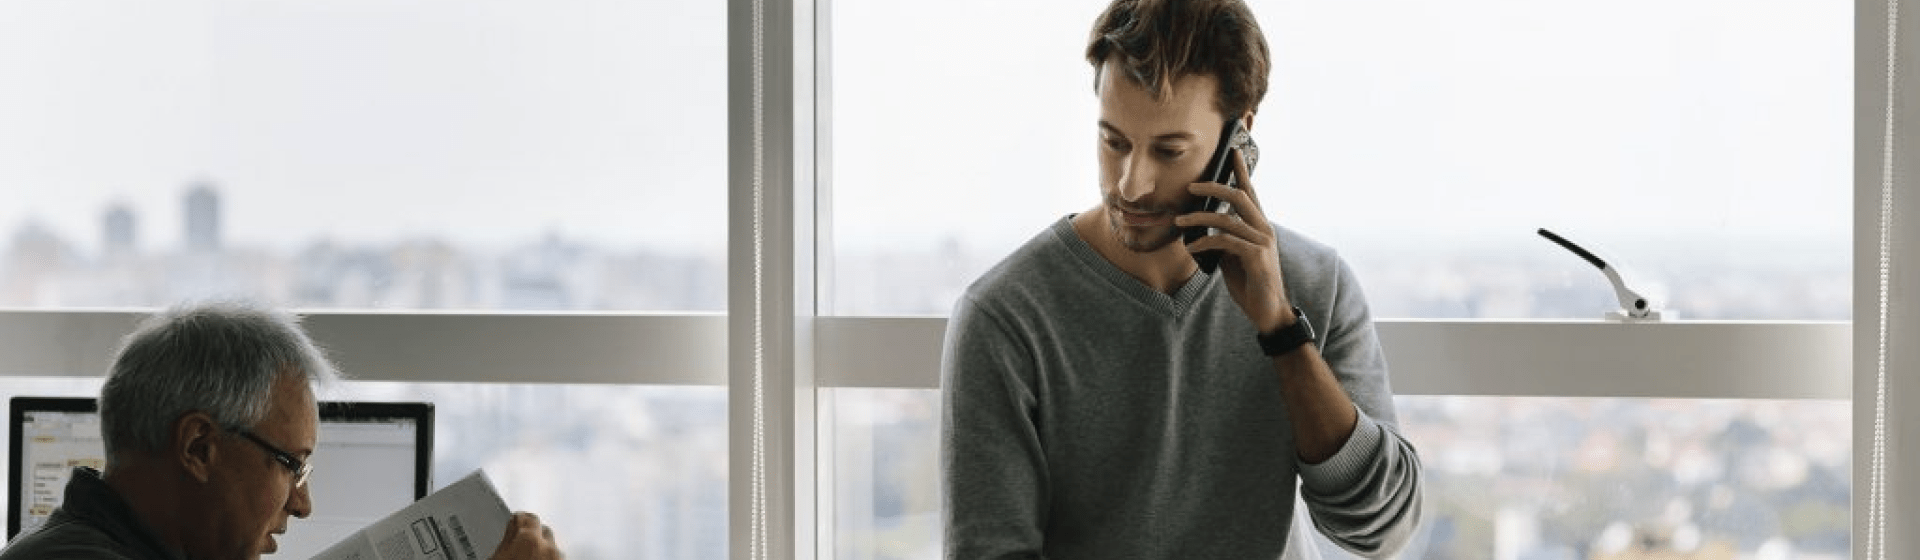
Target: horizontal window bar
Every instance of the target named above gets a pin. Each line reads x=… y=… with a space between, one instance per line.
x=682 y=349
x=1680 y=359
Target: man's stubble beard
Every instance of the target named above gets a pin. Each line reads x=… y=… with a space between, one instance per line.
x=1153 y=240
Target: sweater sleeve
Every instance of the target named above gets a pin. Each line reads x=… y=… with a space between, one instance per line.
x=993 y=473
x=1367 y=497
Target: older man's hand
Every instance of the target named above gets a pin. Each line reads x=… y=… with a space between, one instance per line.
x=527 y=539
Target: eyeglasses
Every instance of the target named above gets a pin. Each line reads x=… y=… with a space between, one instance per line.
x=299 y=468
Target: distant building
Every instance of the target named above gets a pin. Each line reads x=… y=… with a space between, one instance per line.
x=30 y=266
x=118 y=230
x=37 y=249
x=203 y=218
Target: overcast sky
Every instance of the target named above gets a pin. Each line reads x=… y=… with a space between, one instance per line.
x=367 y=120
x=493 y=122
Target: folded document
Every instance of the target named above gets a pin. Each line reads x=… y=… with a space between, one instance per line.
x=463 y=521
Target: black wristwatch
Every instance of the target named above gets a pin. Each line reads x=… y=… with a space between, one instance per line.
x=1289 y=338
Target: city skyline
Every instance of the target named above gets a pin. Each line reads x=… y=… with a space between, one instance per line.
x=1518 y=278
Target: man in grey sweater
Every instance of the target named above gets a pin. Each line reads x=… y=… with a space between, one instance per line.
x=1107 y=397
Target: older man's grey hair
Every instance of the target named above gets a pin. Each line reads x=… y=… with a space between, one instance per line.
x=221 y=358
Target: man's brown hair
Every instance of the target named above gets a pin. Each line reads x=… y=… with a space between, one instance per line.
x=1159 y=41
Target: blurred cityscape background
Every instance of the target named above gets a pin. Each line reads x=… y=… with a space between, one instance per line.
x=1513 y=478
x=125 y=265
x=1519 y=276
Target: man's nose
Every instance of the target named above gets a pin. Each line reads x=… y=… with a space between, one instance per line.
x=1136 y=183
x=300 y=502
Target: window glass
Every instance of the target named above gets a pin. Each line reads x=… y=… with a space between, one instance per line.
x=884 y=447
x=1506 y=478
x=619 y=471
x=364 y=154
x=1705 y=152
x=1532 y=477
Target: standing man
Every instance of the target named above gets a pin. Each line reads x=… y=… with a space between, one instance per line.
x=1107 y=398
x=208 y=417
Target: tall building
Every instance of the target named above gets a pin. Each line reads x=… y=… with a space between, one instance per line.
x=118 y=231
x=203 y=218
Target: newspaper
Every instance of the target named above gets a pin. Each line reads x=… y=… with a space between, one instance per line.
x=463 y=521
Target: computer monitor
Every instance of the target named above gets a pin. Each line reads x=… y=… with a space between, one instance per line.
x=372 y=458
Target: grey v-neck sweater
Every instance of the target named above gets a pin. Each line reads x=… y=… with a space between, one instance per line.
x=1088 y=416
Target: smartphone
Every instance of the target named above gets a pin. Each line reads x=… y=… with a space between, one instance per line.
x=1233 y=138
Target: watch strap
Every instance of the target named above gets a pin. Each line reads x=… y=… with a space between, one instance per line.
x=1287 y=339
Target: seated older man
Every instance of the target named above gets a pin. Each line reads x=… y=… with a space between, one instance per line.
x=208 y=416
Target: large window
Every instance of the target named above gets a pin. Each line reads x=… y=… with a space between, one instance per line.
x=535 y=215
x=555 y=166
x=1701 y=146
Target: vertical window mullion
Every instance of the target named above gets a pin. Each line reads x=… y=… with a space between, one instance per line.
x=1886 y=121
x=770 y=386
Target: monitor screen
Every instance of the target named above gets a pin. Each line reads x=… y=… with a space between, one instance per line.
x=371 y=459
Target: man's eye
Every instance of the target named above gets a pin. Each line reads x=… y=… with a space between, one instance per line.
x=1170 y=153
x=1115 y=144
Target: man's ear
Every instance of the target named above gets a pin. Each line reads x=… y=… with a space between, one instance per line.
x=193 y=444
x=1247 y=121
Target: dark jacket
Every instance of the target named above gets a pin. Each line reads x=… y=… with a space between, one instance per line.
x=93 y=523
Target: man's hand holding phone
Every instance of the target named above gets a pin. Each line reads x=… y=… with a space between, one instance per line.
x=1250 y=255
